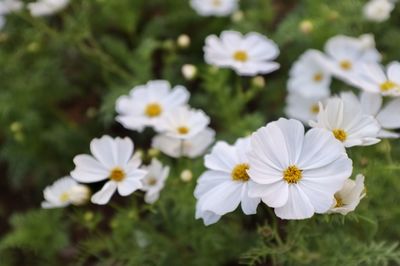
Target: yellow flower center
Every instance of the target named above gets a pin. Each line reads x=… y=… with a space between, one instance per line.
x=216 y=3
x=239 y=172
x=318 y=77
x=346 y=65
x=339 y=202
x=292 y=174
x=388 y=85
x=117 y=174
x=340 y=134
x=183 y=130
x=153 y=110
x=314 y=109
x=64 y=197
x=151 y=181
x=240 y=56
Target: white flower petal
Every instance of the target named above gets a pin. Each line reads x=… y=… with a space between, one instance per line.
x=103 y=196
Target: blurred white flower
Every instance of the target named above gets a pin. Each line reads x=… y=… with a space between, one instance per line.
x=47 y=7
x=372 y=78
x=225 y=184
x=302 y=108
x=248 y=55
x=387 y=115
x=347 y=122
x=147 y=104
x=112 y=160
x=154 y=181
x=189 y=72
x=378 y=10
x=294 y=173
x=9 y=6
x=63 y=192
x=183 y=123
x=191 y=148
x=214 y=7
x=348 y=198
x=345 y=55
x=308 y=78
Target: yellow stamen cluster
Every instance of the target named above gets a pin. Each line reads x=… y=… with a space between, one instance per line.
x=241 y=56
x=292 y=174
x=318 y=77
x=183 y=130
x=315 y=109
x=346 y=65
x=239 y=173
x=64 y=197
x=153 y=110
x=216 y=3
x=339 y=202
x=117 y=174
x=340 y=134
x=387 y=86
x=151 y=181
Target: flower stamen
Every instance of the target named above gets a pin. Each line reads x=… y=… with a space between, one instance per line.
x=241 y=56
x=153 y=110
x=346 y=65
x=314 y=109
x=387 y=86
x=183 y=130
x=292 y=174
x=239 y=172
x=318 y=77
x=64 y=197
x=117 y=174
x=339 y=202
x=340 y=134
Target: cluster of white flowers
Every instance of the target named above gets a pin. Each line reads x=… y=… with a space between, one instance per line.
x=113 y=161
x=182 y=131
x=378 y=10
x=295 y=173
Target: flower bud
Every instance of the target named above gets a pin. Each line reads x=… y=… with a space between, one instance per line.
x=186 y=175
x=306 y=26
x=189 y=72
x=79 y=194
x=183 y=41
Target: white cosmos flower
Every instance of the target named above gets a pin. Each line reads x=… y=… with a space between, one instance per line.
x=294 y=173
x=47 y=7
x=387 y=115
x=225 y=184
x=214 y=7
x=346 y=54
x=9 y=6
x=302 y=108
x=112 y=160
x=248 y=55
x=63 y=192
x=191 y=148
x=154 y=181
x=373 y=78
x=183 y=123
x=308 y=78
x=147 y=104
x=348 y=198
x=347 y=122
x=378 y=10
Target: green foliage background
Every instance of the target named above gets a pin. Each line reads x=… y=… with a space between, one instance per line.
x=59 y=79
